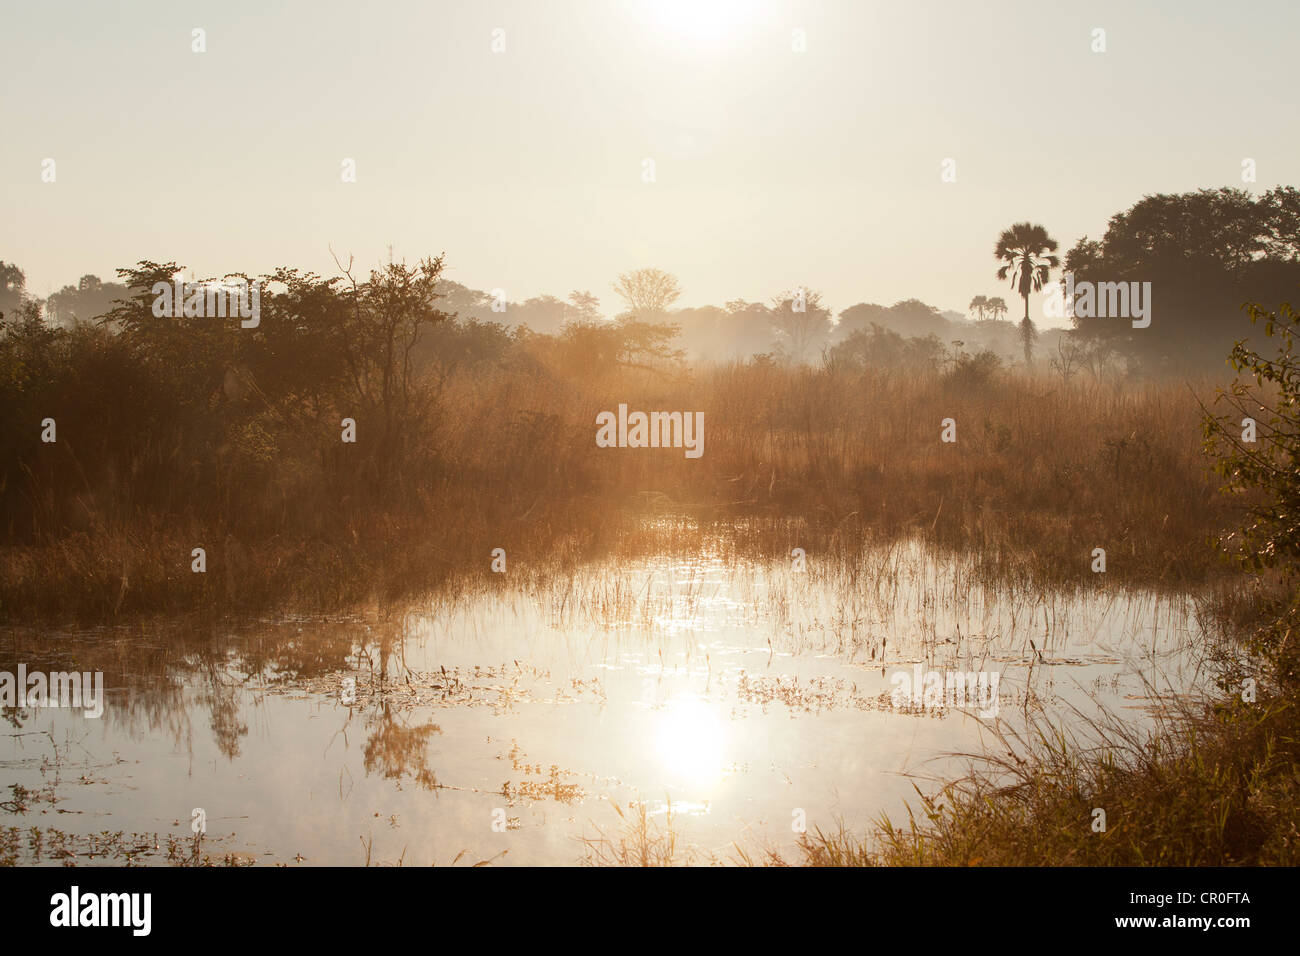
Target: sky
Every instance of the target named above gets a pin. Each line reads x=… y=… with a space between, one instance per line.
x=773 y=168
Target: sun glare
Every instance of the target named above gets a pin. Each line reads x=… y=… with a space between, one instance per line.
x=700 y=22
x=691 y=742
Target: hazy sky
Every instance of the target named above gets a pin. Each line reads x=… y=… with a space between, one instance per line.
x=773 y=168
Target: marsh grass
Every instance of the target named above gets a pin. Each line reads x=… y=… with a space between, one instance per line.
x=637 y=839
x=823 y=459
x=1215 y=784
x=1215 y=781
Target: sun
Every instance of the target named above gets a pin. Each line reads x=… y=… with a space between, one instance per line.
x=700 y=22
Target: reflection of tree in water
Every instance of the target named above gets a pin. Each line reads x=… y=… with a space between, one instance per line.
x=149 y=671
x=395 y=750
x=293 y=652
x=222 y=700
x=269 y=655
x=142 y=693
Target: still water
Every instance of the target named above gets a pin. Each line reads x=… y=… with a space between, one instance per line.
x=511 y=723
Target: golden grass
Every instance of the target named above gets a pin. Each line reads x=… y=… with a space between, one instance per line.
x=1041 y=473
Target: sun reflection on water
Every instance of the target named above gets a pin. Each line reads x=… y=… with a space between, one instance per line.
x=691 y=743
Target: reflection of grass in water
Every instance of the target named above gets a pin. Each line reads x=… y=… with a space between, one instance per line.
x=550 y=787
x=888 y=602
x=28 y=846
x=21 y=798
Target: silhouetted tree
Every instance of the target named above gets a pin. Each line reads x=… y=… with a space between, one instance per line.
x=584 y=305
x=883 y=349
x=910 y=317
x=1205 y=253
x=647 y=292
x=387 y=314
x=802 y=324
x=1026 y=250
x=89 y=299
x=13 y=287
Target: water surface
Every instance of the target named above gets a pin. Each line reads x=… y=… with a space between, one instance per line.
x=508 y=723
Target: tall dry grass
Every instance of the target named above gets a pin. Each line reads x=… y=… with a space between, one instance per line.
x=1042 y=473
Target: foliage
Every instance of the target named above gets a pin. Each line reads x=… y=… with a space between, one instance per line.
x=1205 y=253
x=1267 y=469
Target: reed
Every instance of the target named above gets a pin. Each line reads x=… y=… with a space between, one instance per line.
x=1042 y=473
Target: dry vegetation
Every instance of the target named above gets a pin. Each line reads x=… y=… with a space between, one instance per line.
x=1041 y=473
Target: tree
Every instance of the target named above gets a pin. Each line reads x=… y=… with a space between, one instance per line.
x=1268 y=460
x=1026 y=251
x=802 y=324
x=13 y=287
x=468 y=303
x=591 y=348
x=744 y=328
x=863 y=317
x=186 y=355
x=585 y=305
x=979 y=305
x=386 y=316
x=1257 y=446
x=911 y=317
x=997 y=307
x=1069 y=358
x=1204 y=253
x=647 y=292
x=87 y=300
x=541 y=313
x=886 y=351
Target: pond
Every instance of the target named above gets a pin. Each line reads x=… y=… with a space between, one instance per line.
x=543 y=720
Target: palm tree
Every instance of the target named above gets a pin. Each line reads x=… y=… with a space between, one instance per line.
x=979 y=305
x=1026 y=253
x=997 y=307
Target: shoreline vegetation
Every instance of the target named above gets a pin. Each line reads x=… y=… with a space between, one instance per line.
x=824 y=459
